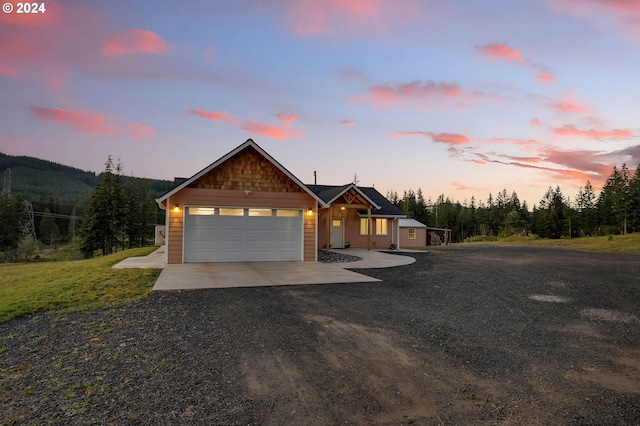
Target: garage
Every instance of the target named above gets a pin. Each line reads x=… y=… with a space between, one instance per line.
x=234 y=234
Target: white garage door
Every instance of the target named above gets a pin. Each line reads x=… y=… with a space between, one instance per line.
x=223 y=234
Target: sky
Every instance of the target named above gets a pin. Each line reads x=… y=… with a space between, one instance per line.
x=462 y=98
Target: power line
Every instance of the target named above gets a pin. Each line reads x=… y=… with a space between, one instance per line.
x=57 y=215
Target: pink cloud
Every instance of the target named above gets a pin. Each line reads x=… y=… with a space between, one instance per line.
x=500 y=51
x=81 y=121
x=448 y=138
x=462 y=187
x=567 y=104
x=422 y=94
x=535 y=122
x=270 y=130
x=287 y=119
x=578 y=159
x=504 y=52
x=564 y=106
x=95 y=124
x=413 y=91
x=524 y=144
x=569 y=130
x=574 y=175
x=214 y=115
x=134 y=41
x=141 y=131
x=344 y=17
x=349 y=123
x=546 y=76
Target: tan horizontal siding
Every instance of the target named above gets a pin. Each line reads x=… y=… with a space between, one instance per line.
x=419 y=241
x=352 y=230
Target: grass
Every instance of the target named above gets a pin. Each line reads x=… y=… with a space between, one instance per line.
x=71 y=286
x=629 y=243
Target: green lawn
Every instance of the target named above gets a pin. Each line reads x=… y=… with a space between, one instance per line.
x=72 y=285
x=629 y=243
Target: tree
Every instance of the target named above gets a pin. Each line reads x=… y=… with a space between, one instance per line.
x=10 y=224
x=49 y=231
x=634 y=204
x=102 y=223
x=549 y=219
x=615 y=199
x=585 y=203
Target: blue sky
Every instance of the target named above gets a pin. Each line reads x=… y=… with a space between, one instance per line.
x=461 y=98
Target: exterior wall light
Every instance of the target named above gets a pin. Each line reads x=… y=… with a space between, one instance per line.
x=309 y=211
x=176 y=207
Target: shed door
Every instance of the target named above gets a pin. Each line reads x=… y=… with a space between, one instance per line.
x=222 y=234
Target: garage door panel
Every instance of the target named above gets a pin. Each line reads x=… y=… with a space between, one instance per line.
x=220 y=238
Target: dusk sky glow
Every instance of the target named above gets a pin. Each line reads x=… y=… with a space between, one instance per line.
x=461 y=98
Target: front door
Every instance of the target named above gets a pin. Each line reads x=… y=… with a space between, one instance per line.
x=337 y=233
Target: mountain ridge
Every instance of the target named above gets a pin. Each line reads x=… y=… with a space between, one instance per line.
x=32 y=176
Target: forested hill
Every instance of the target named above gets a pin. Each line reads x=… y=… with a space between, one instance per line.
x=36 y=177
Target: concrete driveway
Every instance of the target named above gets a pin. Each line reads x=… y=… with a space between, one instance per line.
x=256 y=274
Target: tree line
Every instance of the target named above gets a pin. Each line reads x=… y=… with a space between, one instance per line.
x=119 y=213
x=616 y=210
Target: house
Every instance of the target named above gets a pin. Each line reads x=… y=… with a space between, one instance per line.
x=412 y=233
x=246 y=206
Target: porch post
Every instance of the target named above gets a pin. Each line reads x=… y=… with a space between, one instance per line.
x=369 y=228
x=328 y=226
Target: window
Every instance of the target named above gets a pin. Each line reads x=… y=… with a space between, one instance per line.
x=412 y=233
x=364 y=226
x=336 y=223
x=287 y=213
x=259 y=212
x=202 y=211
x=381 y=226
x=231 y=212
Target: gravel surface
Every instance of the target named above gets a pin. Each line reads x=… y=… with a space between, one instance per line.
x=483 y=335
x=333 y=257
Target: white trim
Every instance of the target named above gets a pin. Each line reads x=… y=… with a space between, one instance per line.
x=315 y=246
x=351 y=185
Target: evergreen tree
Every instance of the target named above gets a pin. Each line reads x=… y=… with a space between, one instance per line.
x=614 y=202
x=634 y=204
x=10 y=224
x=585 y=203
x=102 y=223
x=49 y=231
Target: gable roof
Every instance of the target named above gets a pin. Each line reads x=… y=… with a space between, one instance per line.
x=245 y=145
x=330 y=193
x=384 y=207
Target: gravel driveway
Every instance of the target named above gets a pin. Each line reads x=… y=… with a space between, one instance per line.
x=466 y=335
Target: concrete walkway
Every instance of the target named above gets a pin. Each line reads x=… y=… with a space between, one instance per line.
x=256 y=274
x=152 y=260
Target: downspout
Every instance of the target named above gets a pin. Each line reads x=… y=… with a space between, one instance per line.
x=369 y=223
